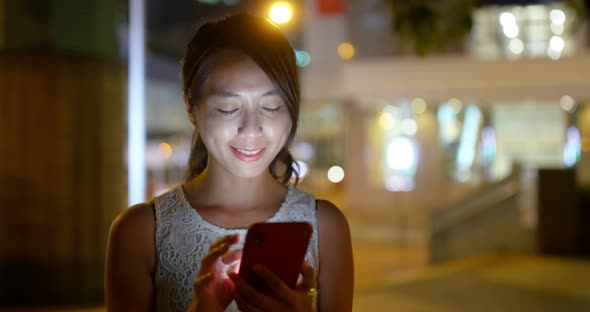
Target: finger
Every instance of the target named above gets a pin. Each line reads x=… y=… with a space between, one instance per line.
x=209 y=259
x=235 y=269
x=276 y=285
x=226 y=240
x=308 y=273
x=244 y=305
x=251 y=295
x=216 y=252
x=230 y=258
x=233 y=261
x=202 y=280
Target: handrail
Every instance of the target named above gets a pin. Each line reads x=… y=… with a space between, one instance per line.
x=475 y=204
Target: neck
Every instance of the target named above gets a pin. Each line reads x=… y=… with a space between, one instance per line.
x=216 y=188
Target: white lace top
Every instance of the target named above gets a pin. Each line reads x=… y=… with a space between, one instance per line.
x=183 y=238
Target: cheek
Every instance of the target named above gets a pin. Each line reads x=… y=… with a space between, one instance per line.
x=280 y=127
x=214 y=130
x=288 y=124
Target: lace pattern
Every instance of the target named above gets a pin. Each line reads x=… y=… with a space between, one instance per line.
x=183 y=237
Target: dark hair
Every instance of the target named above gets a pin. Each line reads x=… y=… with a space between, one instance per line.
x=264 y=43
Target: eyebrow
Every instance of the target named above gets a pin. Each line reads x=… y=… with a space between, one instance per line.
x=223 y=93
x=271 y=92
x=228 y=94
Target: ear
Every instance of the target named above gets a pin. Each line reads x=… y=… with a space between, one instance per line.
x=187 y=105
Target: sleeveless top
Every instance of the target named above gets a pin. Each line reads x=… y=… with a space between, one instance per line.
x=183 y=237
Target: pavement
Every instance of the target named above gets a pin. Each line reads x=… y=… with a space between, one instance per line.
x=394 y=275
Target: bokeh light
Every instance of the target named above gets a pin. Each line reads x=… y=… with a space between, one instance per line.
x=165 y=150
x=303 y=150
x=572 y=147
x=409 y=126
x=303 y=168
x=567 y=103
x=507 y=18
x=418 y=105
x=346 y=50
x=557 y=16
x=553 y=54
x=386 y=121
x=516 y=46
x=335 y=174
x=556 y=43
x=557 y=29
x=302 y=58
x=455 y=104
x=511 y=31
x=399 y=184
x=280 y=12
x=401 y=154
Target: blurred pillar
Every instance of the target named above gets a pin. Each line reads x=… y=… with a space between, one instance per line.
x=62 y=178
x=587 y=17
x=2 y=18
x=558 y=214
x=583 y=172
x=323 y=31
x=356 y=149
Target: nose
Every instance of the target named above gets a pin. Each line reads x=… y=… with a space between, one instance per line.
x=250 y=124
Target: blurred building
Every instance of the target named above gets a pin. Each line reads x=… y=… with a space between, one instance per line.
x=410 y=110
x=431 y=123
x=62 y=128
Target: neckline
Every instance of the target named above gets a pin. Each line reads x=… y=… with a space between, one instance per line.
x=213 y=226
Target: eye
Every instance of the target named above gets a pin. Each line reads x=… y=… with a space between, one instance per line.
x=227 y=112
x=272 y=110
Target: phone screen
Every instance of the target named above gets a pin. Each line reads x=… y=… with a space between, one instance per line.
x=280 y=247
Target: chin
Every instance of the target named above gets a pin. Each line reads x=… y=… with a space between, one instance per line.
x=250 y=172
x=249 y=175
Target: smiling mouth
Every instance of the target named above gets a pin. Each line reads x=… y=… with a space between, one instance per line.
x=248 y=154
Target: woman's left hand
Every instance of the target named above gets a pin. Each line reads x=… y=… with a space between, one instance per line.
x=281 y=296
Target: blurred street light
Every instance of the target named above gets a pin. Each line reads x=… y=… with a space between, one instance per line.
x=346 y=50
x=335 y=174
x=418 y=105
x=165 y=150
x=280 y=12
x=567 y=103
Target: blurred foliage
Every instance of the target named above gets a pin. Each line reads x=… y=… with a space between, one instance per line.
x=580 y=8
x=425 y=27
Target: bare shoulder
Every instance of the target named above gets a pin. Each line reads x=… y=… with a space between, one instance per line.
x=132 y=232
x=131 y=260
x=138 y=219
x=336 y=272
x=139 y=212
x=331 y=217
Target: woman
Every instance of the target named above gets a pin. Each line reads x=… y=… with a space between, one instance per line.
x=178 y=252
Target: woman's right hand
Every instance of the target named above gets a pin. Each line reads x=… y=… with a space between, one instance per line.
x=213 y=289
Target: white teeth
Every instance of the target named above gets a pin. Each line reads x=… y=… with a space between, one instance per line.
x=249 y=152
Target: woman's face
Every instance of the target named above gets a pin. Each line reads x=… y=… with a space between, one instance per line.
x=241 y=117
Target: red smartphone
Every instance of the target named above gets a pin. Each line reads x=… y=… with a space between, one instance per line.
x=280 y=247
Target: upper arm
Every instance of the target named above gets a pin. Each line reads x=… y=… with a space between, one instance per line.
x=336 y=272
x=130 y=260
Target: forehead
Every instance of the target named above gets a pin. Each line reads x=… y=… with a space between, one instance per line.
x=236 y=71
